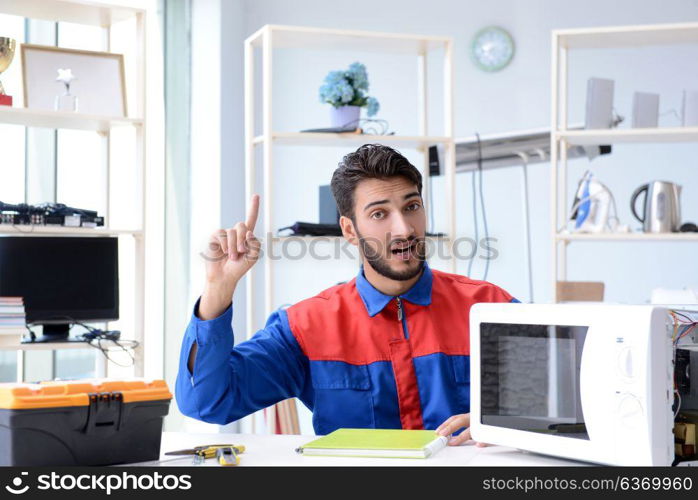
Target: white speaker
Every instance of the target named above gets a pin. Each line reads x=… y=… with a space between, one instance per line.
x=599 y=105
x=645 y=110
x=690 y=108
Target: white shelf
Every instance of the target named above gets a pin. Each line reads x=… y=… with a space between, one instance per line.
x=348 y=139
x=299 y=37
x=9 y=229
x=614 y=136
x=46 y=346
x=628 y=36
x=62 y=119
x=628 y=237
x=71 y=11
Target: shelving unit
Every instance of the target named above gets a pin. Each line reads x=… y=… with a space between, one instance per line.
x=47 y=346
x=616 y=136
x=629 y=237
x=349 y=140
x=62 y=119
x=103 y=15
x=561 y=138
x=271 y=37
x=66 y=231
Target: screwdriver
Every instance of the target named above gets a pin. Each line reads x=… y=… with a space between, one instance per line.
x=227 y=456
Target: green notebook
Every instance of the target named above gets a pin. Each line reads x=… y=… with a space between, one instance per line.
x=390 y=443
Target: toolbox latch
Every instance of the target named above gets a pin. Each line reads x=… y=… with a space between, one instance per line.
x=104 y=412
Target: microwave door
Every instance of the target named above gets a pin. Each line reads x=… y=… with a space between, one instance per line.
x=531 y=378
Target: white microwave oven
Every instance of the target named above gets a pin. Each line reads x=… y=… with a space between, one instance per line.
x=594 y=382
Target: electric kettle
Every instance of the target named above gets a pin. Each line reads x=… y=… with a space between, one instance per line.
x=661 y=212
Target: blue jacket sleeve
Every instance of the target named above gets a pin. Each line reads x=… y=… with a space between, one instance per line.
x=229 y=382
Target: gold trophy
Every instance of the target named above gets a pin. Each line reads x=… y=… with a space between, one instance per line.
x=7 y=52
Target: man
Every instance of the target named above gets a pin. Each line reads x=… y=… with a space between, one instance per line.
x=388 y=349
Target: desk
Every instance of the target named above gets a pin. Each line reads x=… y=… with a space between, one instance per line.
x=279 y=450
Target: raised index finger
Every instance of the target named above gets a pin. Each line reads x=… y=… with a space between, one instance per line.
x=252 y=212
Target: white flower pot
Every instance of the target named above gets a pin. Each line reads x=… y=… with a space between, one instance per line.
x=345 y=115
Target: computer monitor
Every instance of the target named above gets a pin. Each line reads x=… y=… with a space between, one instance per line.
x=62 y=279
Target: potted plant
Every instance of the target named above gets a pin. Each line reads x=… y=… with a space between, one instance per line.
x=347 y=91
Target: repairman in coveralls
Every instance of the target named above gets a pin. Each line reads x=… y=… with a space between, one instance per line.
x=388 y=349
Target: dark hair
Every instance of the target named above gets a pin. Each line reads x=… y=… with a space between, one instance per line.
x=370 y=161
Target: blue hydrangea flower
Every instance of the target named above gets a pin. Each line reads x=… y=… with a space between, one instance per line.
x=334 y=77
x=372 y=106
x=348 y=87
x=359 y=77
x=347 y=92
x=337 y=94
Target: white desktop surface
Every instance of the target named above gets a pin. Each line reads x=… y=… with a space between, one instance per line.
x=265 y=450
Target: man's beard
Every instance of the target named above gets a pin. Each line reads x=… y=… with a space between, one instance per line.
x=380 y=264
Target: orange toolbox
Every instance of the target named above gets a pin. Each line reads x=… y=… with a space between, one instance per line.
x=82 y=422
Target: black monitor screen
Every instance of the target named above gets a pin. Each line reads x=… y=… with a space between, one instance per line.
x=62 y=278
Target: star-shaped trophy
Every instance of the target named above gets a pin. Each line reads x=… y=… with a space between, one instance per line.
x=67 y=101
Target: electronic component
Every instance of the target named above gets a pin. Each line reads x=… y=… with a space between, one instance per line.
x=682 y=371
x=48 y=214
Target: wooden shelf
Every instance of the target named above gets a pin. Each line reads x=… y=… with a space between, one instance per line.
x=9 y=229
x=298 y=37
x=614 y=136
x=94 y=13
x=62 y=119
x=339 y=140
x=628 y=237
x=628 y=36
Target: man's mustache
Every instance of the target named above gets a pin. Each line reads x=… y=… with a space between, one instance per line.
x=416 y=246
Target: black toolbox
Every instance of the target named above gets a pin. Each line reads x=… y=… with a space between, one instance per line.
x=94 y=422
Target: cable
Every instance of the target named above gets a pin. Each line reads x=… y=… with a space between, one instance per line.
x=472 y=257
x=482 y=201
x=95 y=337
x=527 y=223
x=371 y=126
x=430 y=182
x=678 y=405
x=686 y=330
x=687 y=318
x=672 y=112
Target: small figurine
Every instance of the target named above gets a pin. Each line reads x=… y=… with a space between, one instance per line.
x=66 y=102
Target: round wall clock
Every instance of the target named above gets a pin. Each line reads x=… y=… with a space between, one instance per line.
x=492 y=48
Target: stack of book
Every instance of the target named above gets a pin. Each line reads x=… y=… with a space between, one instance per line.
x=12 y=320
